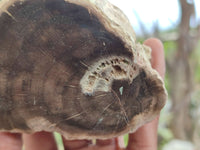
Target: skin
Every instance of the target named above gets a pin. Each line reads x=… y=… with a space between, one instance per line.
x=145 y=138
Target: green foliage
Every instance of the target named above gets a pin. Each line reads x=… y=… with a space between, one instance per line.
x=196 y=60
x=59 y=142
x=170 y=47
x=165 y=136
x=126 y=140
x=167 y=82
x=164 y=132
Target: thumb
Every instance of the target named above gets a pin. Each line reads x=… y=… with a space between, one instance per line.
x=145 y=138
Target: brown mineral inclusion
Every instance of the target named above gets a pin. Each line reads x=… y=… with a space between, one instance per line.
x=73 y=66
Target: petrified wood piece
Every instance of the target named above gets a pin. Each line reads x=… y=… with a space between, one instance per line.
x=74 y=67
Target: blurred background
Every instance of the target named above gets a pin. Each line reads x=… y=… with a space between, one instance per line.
x=177 y=24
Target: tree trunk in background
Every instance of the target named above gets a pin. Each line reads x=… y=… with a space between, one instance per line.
x=181 y=78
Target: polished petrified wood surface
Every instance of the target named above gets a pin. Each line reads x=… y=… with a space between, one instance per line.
x=69 y=66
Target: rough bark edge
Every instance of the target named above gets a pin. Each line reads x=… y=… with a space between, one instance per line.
x=112 y=18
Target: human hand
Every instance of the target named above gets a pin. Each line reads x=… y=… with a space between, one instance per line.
x=145 y=138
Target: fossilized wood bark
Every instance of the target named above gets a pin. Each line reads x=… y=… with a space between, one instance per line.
x=74 y=67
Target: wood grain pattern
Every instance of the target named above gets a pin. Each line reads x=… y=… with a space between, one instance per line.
x=46 y=47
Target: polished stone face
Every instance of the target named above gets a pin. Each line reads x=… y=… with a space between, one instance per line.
x=46 y=46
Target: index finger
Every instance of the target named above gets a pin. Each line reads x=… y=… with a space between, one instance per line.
x=157 y=55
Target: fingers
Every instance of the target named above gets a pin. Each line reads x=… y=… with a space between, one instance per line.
x=39 y=141
x=157 y=60
x=76 y=144
x=45 y=141
x=110 y=144
x=10 y=141
x=105 y=142
x=145 y=138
